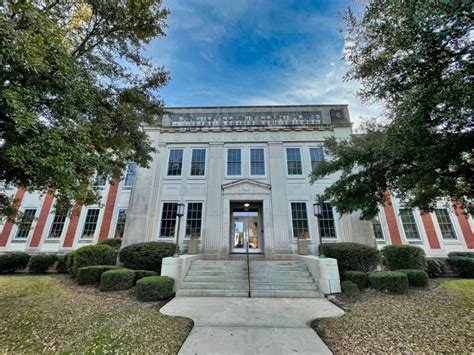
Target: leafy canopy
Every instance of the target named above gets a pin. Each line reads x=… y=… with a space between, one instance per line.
x=76 y=90
x=414 y=57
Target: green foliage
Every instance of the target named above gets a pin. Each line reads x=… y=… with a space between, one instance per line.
x=154 y=288
x=352 y=256
x=93 y=255
x=462 y=265
x=464 y=254
x=416 y=278
x=350 y=288
x=76 y=90
x=13 y=261
x=116 y=280
x=111 y=242
x=404 y=257
x=435 y=268
x=91 y=275
x=61 y=266
x=70 y=262
x=146 y=256
x=361 y=279
x=413 y=59
x=140 y=274
x=41 y=262
x=391 y=281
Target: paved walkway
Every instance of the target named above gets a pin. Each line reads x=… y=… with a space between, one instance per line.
x=227 y=325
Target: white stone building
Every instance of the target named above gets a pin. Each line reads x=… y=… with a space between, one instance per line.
x=215 y=160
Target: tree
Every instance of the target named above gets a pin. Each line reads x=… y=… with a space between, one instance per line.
x=415 y=58
x=76 y=90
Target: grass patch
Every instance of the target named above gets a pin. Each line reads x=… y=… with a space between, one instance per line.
x=43 y=314
x=433 y=320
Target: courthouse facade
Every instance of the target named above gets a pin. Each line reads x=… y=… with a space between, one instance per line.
x=242 y=174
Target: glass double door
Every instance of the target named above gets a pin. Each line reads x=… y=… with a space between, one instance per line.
x=245 y=232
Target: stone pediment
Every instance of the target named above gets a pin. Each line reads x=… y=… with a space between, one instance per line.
x=246 y=186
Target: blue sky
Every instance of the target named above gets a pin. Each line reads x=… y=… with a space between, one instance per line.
x=240 y=52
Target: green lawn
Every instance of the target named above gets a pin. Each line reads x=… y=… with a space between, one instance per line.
x=50 y=313
x=439 y=319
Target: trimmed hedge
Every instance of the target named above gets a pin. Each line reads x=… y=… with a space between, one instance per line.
x=140 y=274
x=154 y=288
x=116 y=280
x=361 y=279
x=416 y=278
x=90 y=275
x=435 y=268
x=352 y=256
x=462 y=265
x=13 y=261
x=146 y=256
x=404 y=257
x=42 y=262
x=61 y=266
x=462 y=254
x=391 y=281
x=91 y=255
x=111 y=242
x=350 y=288
x=70 y=262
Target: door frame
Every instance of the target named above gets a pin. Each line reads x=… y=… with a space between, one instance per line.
x=236 y=206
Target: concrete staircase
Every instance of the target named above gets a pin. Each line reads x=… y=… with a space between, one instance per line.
x=267 y=279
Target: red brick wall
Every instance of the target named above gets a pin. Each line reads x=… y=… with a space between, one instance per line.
x=72 y=227
x=109 y=210
x=7 y=228
x=465 y=227
x=391 y=221
x=433 y=239
x=43 y=216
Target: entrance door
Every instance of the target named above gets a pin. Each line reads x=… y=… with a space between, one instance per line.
x=245 y=232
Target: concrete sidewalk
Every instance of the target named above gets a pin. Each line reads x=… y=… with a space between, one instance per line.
x=225 y=325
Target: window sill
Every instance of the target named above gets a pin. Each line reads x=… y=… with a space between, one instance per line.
x=197 y=177
x=414 y=241
x=85 y=241
x=174 y=177
x=52 y=240
x=451 y=242
x=18 y=241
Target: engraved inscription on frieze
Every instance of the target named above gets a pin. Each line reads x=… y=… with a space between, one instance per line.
x=245 y=119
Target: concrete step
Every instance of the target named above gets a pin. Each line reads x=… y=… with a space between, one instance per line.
x=287 y=293
x=211 y=293
x=216 y=285
x=243 y=278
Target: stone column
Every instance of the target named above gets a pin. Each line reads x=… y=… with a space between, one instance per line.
x=214 y=206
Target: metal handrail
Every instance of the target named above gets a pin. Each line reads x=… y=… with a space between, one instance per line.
x=248 y=262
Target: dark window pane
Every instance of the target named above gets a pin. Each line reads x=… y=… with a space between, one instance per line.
x=444 y=222
x=90 y=224
x=317 y=156
x=198 y=162
x=257 y=161
x=299 y=218
x=168 y=220
x=120 y=227
x=326 y=222
x=409 y=224
x=24 y=226
x=57 y=226
x=175 y=162
x=130 y=175
x=234 y=162
x=293 y=160
x=194 y=220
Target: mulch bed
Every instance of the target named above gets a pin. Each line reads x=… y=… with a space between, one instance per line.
x=435 y=319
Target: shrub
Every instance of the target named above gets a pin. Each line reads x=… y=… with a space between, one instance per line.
x=61 y=266
x=90 y=255
x=416 y=278
x=435 y=268
x=140 y=274
x=350 y=288
x=11 y=262
x=361 y=279
x=41 y=262
x=404 y=257
x=154 y=288
x=70 y=262
x=462 y=265
x=463 y=254
x=352 y=256
x=392 y=281
x=116 y=280
x=90 y=275
x=146 y=256
x=111 y=242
